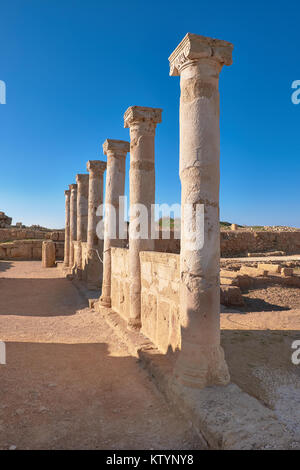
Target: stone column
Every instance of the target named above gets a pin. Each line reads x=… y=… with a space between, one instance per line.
x=96 y=170
x=82 y=215
x=142 y=124
x=48 y=254
x=67 y=230
x=116 y=151
x=73 y=221
x=198 y=60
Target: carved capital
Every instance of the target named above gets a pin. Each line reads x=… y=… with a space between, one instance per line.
x=97 y=167
x=73 y=187
x=67 y=193
x=140 y=114
x=118 y=147
x=193 y=48
x=82 y=178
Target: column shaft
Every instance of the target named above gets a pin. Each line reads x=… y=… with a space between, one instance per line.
x=142 y=123
x=199 y=61
x=116 y=151
x=82 y=215
x=96 y=169
x=67 y=230
x=73 y=221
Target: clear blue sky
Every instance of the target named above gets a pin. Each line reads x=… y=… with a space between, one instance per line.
x=72 y=68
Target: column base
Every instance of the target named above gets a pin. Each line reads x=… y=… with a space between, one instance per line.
x=201 y=366
x=134 y=324
x=105 y=302
x=93 y=271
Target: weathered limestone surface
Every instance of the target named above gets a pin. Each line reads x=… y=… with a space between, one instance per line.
x=10 y=234
x=160 y=276
x=82 y=218
x=271 y=268
x=231 y=296
x=265 y=254
x=287 y=271
x=226 y=417
x=84 y=260
x=253 y=271
x=142 y=123
x=240 y=243
x=116 y=151
x=160 y=280
x=27 y=250
x=5 y=221
x=120 y=297
x=48 y=254
x=82 y=206
x=93 y=265
x=199 y=60
x=73 y=221
x=67 y=229
x=235 y=278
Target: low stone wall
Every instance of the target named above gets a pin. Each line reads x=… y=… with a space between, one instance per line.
x=159 y=295
x=241 y=242
x=27 y=250
x=11 y=234
x=160 y=276
x=120 y=281
x=234 y=243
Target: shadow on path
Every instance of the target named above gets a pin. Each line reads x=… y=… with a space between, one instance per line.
x=77 y=396
x=39 y=297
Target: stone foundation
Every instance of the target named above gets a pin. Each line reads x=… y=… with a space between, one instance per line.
x=120 y=281
x=27 y=250
x=160 y=275
x=240 y=243
x=12 y=234
x=160 y=299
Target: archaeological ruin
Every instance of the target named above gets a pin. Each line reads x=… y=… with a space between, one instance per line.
x=163 y=296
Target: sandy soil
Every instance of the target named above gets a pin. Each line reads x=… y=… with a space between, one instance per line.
x=69 y=383
x=258 y=347
x=272 y=297
x=258 y=350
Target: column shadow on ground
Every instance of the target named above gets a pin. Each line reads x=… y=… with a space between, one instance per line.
x=78 y=396
x=39 y=297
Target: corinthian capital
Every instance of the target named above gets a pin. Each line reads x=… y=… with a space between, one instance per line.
x=194 y=48
x=82 y=178
x=117 y=147
x=142 y=114
x=96 y=166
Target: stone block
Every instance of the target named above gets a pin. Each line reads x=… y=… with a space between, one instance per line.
x=231 y=296
x=163 y=325
x=175 y=330
x=254 y=272
x=287 y=271
x=149 y=315
x=48 y=254
x=271 y=268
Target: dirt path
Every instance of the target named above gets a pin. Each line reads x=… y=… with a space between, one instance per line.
x=69 y=383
